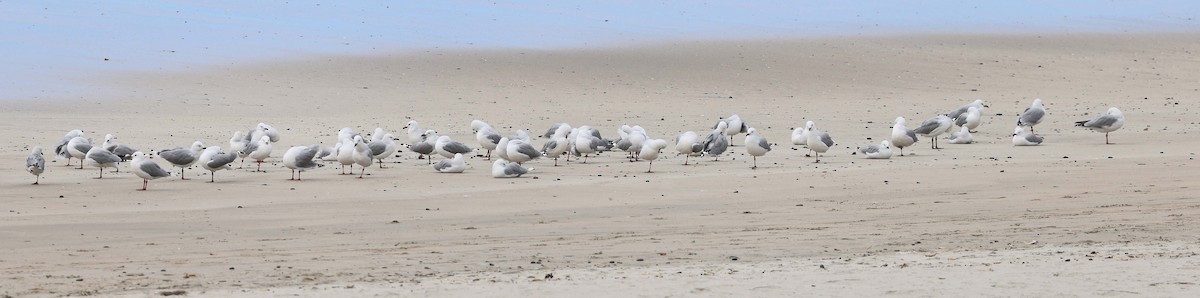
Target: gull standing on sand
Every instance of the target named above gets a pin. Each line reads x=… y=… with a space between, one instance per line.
x=1110 y=121
x=883 y=150
x=956 y=113
x=238 y=143
x=61 y=149
x=756 y=145
x=688 y=144
x=487 y=137
x=902 y=136
x=650 y=151
x=345 y=153
x=414 y=132
x=558 y=145
x=258 y=151
x=213 y=160
x=78 y=147
x=934 y=127
x=505 y=169
x=1032 y=115
x=262 y=129
x=963 y=136
x=716 y=144
x=586 y=144
x=425 y=146
x=1025 y=138
x=362 y=156
x=734 y=126
x=800 y=136
x=122 y=151
x=458 y=164
x=818 y=140
x=448 y=147
x=971 y=119
x=383 y=148
x=183 y=158
x=100 y=158
x=35 y=164
x=378 y=134
x=554 y=128
x=520 y=151
x=300 y=158
x=147 y=169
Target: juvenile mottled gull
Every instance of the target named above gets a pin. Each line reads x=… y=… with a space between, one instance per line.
x=1110 y=121
x=35 y=164
x=1032 y=115
x=147 y=169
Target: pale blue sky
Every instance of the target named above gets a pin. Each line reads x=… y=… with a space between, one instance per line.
x=51 y=46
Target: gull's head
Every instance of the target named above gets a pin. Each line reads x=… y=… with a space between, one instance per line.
x=809 y=125
x=1114 y=111
x=37 y=150
x=886 y=144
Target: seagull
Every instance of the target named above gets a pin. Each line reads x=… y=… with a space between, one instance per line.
x=963 y=136
x=734 y=126
x=1110 y=121
x=300 y=158
x=258 y=151
x=554 y=128
x=1025 y=138
x=362 y=155
x=586 y=144
x=383 y=148
x=447 y=147
x=558 y=145
x=505 y=169
x=715 y=143
x=650 y=150
x=213 y=160
x=378 y=135
x=503 y=143
x=458 y=164
x=183 y=158
x=262 y=129
x=800 y=136
x=61 y=149
x=238 y=143
x=1032 y=115
x=688 y=143
x=756 y=145
x=147 y=169
x=329 y=153
x=425 y=146
x=35 y=164
x=78 y=147
x=414 y=132
x=122 y=151
x=345 y=153
x=818 y=140
x=902 y=136
x=956 y=113
x=883 y=150
x=487 y=137
x=101 y=158
x=934 y=127
x=971 y=119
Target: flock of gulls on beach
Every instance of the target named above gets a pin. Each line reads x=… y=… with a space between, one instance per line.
x=512 y=152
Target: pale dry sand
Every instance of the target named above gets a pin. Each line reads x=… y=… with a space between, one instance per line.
x=1073 y=217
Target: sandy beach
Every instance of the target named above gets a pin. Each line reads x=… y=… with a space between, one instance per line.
x=1072 y=217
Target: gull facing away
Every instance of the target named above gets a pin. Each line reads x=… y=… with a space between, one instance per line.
x=971 y=119
x=345 y=153
x=520 y=151
x=183 y=158
x=957 y=113
x=487 y=137
x=716 y=144
x=60 y=149
x=902 y=136
x=934 y=127
x=122 y=151
x=382 y=148
x=100 y=158
x=1025 y=138
x=35 y=164
x=650 y=151
x=458 y=164
x=734 y=126
x=756 y=145
x=505 y=169
x=362 y=155
x=1032 y=115
x=147 y=169
x=258 y=151
x=883 y=150
x=78 y=147
x=818 y=140
x=447 y=147
x=688 y=144
x=556 y=147
x=800 y=136
x=300 y=158
x=213 y=160
x=1110 y=121
x=238 y=143
x=963 y=136
x=425 y=146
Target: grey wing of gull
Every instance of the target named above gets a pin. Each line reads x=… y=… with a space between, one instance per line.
x=697 y=147
x=870 y=149
x=221 y=159
x=422 y=148
x=441 y=164
x=456 y=147
x=1031 y=116
x=122 y=150
x=926 y=127
x=515 y=169
x=1033 y=138
x=718 y=146
x=956 y=113
x=745 y=127
x=83 y=147
x=178 y=156
x=826 y=139
x=624 y=144
x=1101 y=122
x=594 y=143
x=596 y=133
x=712 y=137
x=911 y=135
x=377 y=148
x=250 y=147
x=549 y=132
x=549 y=145
x=763 y=143
x=494 y=137
x=305 y=158
x=104 y=157
x=960 y=121
x=529 y=151
x=35 y=161
x=154 y=170
x=61 y=148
